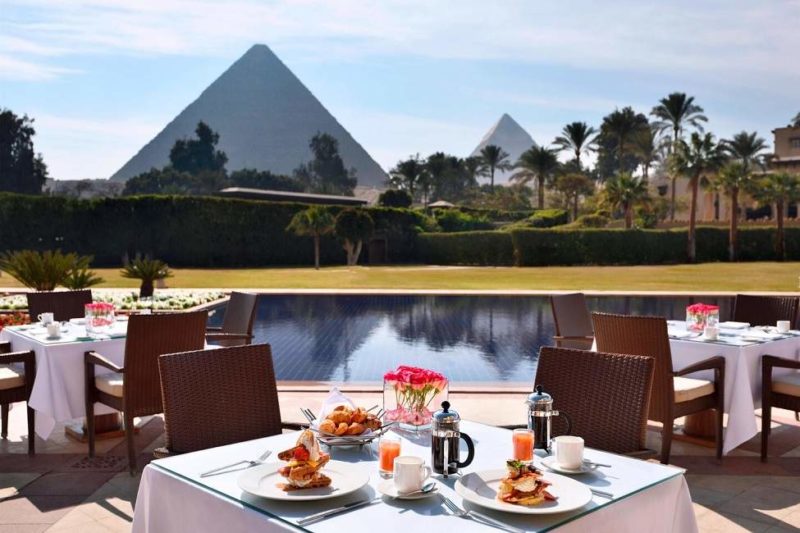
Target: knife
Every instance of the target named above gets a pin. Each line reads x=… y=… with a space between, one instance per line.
x=330 y=512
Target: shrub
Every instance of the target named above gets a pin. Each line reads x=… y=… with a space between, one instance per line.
x=395 y=198
x=451 y=220
x=468 y=248
x=147 y=270
x=548 y=218
x=595 y=220
x=44 y=271
x=353 y=227
x=81 y=278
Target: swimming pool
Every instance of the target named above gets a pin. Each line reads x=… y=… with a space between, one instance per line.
x=471 y=339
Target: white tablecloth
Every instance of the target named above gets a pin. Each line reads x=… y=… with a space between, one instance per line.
x=742 y=376
x=649 y=497
x=58 y=391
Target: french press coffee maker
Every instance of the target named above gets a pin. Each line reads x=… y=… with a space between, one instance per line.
x=540 y=418
x=445 y=437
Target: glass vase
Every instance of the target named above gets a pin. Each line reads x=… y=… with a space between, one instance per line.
x=411 y=407
x=99 y=318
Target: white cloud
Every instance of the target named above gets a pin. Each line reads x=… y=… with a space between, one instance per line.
x=21 y=70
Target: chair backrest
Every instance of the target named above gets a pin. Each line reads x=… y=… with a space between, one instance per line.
x=217 y=397
x=150 y=336
x=764 y=310
x=571 y=317
x=63 y=304
x=641 y=335
x=606 y=396
x=240 y=313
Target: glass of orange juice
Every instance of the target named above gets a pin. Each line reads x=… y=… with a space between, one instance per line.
x=388 y=449
x=522 y=439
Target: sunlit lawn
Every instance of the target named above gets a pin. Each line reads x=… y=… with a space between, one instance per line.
x=705 y=277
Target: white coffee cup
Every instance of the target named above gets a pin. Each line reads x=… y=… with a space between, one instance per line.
x=711 y=332
x=46 y=318
x=783 y=326
x=53 y=330
x=569 y=451
x=410 y=473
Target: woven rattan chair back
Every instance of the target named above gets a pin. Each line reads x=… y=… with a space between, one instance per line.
x=217 y=397
x=641 y=335
x=572 y=319
x=63 y=304
x=764 y=310
x=240 y=313
x=606 y=396
x=150 y=336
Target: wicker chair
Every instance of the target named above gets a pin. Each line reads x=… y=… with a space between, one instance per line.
x=63 y=304
x=673 y=394
x=237 y=324
x=764 y=310
x=606 y=396
x=234 y=389
x=573 y=323
x=15 y=386
x=782 y=392
x=135 y=388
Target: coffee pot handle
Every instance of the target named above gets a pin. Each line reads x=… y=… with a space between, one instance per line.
x=470 y=451
x=569 y=423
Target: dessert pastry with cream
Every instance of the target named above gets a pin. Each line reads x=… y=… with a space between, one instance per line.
x=305 y=461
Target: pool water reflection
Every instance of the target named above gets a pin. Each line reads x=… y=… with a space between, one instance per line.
x=477 y=339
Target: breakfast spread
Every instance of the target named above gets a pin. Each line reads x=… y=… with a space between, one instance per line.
x=346 y=421
x=304 y=463
x=523 y=485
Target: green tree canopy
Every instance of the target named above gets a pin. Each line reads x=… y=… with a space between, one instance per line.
x=21 y=169
x=353 y=226
x=170 y=181
x=494 y=158
x=573 y=186
x=407 y=175
x=314 y=222
x=263 y=179
x=536 y=163
x=200 y=154
x=395 y=198
x=624 y=192
x=578 y=138
x=615 y=153
x=326 y=172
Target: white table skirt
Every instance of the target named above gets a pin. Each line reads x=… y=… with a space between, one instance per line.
x=170 y=499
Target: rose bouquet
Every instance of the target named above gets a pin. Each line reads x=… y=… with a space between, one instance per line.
x=408 y=393
x=99 y=317
x=698 y=316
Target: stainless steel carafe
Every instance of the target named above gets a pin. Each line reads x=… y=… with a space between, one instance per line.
x=445 y=436
x=540 y=418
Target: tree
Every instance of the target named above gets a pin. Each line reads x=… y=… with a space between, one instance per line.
x=781 y=189
x=745 y=148
x=353 y=227
x=573 y=186
x=647 y=147
x=796 y=121
x=170 y=181
x=700 y=156
x=448 y=178
x=617 y=132
x=577 y=137
x=395 y=198
x=472 y=169
x=674 y=113
x=733 y=178
x=494 y=158
x=314 y=222
x=407 y=175
x=539 y=163
x=198 y=155
x=326 y=172
x=623 y=192
x=21 y=169
x=263 y=179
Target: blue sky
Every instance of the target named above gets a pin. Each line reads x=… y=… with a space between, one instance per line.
x=102 y=77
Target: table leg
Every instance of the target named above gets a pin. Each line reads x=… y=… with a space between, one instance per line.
x=699 y=428
x=106 y=427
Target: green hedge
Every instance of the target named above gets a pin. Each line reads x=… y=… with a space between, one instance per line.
x=467 y=248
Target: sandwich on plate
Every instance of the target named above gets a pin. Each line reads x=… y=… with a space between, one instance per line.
x=304 y=463
x=523 y=485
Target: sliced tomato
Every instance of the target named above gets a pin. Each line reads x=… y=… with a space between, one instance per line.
x=301 y=454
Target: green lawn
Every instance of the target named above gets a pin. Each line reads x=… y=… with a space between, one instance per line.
x=781 y=277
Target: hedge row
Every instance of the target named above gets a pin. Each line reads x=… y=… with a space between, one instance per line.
x=466 y=248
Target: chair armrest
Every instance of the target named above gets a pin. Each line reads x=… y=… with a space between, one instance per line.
x=213 y=328
x=292 y=425
x=771 y=361
x=5 y=347
x=17 y=357
x=712 y=363
x=573 y=337
x=94 y=358
x=227 y=336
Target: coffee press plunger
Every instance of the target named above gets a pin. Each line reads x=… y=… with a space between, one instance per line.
x=540 y=418
x=445 y=436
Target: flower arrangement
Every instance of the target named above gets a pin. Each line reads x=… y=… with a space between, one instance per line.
x=99 y=317
x=13 y=319
x=698 y=316
x=129 y=301
x=408 y=392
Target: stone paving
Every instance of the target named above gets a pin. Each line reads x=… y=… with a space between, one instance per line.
x=60 y=490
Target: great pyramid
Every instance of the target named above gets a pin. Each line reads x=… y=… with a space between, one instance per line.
x=511 y=137
x=265 y=117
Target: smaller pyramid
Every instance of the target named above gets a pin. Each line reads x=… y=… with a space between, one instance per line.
x=511 y=137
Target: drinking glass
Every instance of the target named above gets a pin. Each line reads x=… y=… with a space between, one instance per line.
x=388 y=449
x=522 y=440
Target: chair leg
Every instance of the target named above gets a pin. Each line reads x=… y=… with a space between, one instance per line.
x=31 y=431
x=90 y=426
x=719 y=432
x=666 y=442
x=766 y=422
x=4 y=416
x=131 y=448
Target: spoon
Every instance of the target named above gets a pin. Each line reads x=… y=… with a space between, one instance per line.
x=426 y=488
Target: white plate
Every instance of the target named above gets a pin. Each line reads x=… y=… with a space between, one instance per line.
x=387 y=488
x=551 y=463
x=734 y=325
x=263 y=481
x=77 y=321
x=480 y=488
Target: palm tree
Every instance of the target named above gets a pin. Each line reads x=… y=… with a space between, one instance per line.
x=796 y=121
x=646 y=145
x=577 y=137
x=494 y=158
x=407 y=174
x=623 y=192
x=315 y=222
x=539 y=163
x=745 y=148
x=732 y=179
x=700 y=156
x=781 y=189
x=622 y=125
x=472 y=167
x=573 y=186
x=675 y=113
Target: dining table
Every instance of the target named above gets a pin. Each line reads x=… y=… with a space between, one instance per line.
x=636 y=495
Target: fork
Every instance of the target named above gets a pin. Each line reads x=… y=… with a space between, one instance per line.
x=457 y=511
x=308 y=414
x=249 y=462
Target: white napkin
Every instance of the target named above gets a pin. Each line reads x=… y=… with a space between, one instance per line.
x=335 y=398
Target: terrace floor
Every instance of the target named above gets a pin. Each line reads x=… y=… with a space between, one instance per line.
x=59 y=490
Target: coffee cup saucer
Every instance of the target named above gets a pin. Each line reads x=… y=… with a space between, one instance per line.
x=387 y=488
x=551 y=464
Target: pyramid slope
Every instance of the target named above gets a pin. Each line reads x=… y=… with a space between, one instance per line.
x=511 y=137
x=265 y=117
